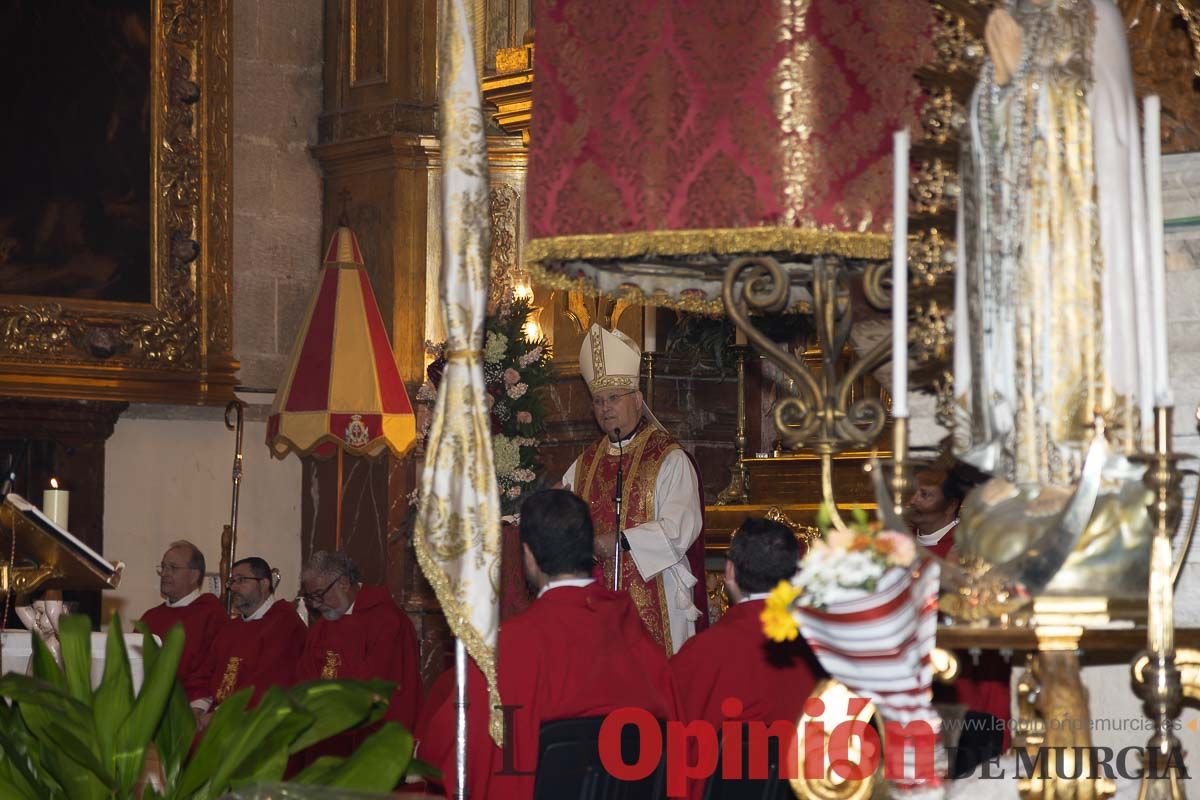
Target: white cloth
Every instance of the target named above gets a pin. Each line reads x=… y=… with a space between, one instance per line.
x=661 y=545
x=566 y=582
x=930 y=539
x=186 y=600
x=262 y=610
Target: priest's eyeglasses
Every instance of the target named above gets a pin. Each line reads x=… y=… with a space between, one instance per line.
x=610 y=400
x=312 y=598
x=236 y=579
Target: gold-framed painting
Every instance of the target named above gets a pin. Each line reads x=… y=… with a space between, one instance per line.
x=115 y=206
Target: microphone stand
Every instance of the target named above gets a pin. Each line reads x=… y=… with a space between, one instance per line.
x=617 y=504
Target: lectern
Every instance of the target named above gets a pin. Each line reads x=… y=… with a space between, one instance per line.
x=37 y=554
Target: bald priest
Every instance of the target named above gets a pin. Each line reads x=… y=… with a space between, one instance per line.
x=662 y=509
x=201 y=614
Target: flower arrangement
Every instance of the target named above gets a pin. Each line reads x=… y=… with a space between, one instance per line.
x=515 y=369
x=845 y=564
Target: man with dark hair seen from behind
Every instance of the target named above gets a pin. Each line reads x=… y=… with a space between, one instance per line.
x=181 y=574
x=358 y=633
x=579 y=650
x=259 y=648
x=733 y=659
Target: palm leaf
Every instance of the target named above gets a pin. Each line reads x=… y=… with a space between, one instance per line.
x=339 y=706
x=45 y=665
x=113 y=698
x=378 y=764
x=229 y=716
x=75 y=636
x=135 y=732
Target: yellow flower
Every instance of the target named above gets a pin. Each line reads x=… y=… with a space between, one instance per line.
x=778 y=623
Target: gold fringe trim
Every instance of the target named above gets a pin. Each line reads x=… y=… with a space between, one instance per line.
x=689 y=304
x=718 y=241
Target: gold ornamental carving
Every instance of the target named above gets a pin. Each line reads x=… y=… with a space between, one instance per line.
x=177 y=347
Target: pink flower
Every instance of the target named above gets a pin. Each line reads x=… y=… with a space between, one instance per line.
x=839 y=539
x=516 y=391
x=511 y=376
x=901 y=549
x=491 y=401
x=530 y=357
x=514 y=491
x=524 y=418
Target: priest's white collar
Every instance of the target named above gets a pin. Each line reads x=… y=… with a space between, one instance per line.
x=262 y=610
x=186 y=600
x=930 y=539
x=566 y=582
x=754 y=596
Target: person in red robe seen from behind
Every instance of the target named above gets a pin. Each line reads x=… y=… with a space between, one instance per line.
x=983 y=686
x=259 y=648
x=579 y=650
x=732 y=660
x=359 y=634
x=201 y=614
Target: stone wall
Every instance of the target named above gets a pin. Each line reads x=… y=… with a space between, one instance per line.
x=168 y=468
x=1181 y=208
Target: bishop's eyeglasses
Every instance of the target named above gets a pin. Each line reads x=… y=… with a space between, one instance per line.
x=600 y=401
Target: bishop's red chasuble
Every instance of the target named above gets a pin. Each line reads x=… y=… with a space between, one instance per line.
x=377 y=640
x=260 y=653
x=202 y=619
x=576 y=652
x=596 y=480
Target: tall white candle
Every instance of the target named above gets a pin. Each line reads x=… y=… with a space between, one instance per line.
x=1158 y=270
x=56 y=503
x=649 y=329
x=900 y=276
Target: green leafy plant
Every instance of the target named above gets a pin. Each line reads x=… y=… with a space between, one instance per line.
x=60 y=738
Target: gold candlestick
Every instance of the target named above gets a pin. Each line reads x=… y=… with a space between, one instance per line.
x=900 y=482
x=1162 y=686
x=738 y=490
x=648 y=360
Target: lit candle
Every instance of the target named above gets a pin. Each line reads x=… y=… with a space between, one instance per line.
x=55 y=504
x=649 y=329
x=900 y=275
x=1158 y=270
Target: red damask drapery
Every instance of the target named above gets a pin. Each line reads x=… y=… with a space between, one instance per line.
x=678 y=128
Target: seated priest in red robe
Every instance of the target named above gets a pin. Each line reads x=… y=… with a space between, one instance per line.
x=359 y=633
x=259 y=648
x=201 y=614
x=579 y=650
x=733 y=660
x=933 y=509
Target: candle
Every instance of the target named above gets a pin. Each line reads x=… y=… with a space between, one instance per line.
x=1158 y=276
x=900 y=275
x=649 y=329
x=55 y=504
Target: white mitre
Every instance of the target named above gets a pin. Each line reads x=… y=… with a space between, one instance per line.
x=611 y=360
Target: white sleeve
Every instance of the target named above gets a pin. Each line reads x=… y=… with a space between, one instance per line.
x=678 y=518
x=568 y=478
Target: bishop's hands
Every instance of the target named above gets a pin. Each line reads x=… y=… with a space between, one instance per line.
x=1003 y=38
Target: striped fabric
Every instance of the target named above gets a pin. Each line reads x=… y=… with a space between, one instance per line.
x=342 y=387
x=880 y=647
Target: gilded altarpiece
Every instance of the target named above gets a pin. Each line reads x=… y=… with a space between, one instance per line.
x=176 y=346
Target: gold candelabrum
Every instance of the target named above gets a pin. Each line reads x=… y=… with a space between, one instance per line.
x=823 y=414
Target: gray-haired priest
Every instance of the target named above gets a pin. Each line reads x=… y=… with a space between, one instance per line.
x=662 y=509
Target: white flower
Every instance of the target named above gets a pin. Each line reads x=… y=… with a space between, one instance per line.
x=506 y=453
x=517 y=390
x=496 y=347
x=523 y=475
x=856 y=570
